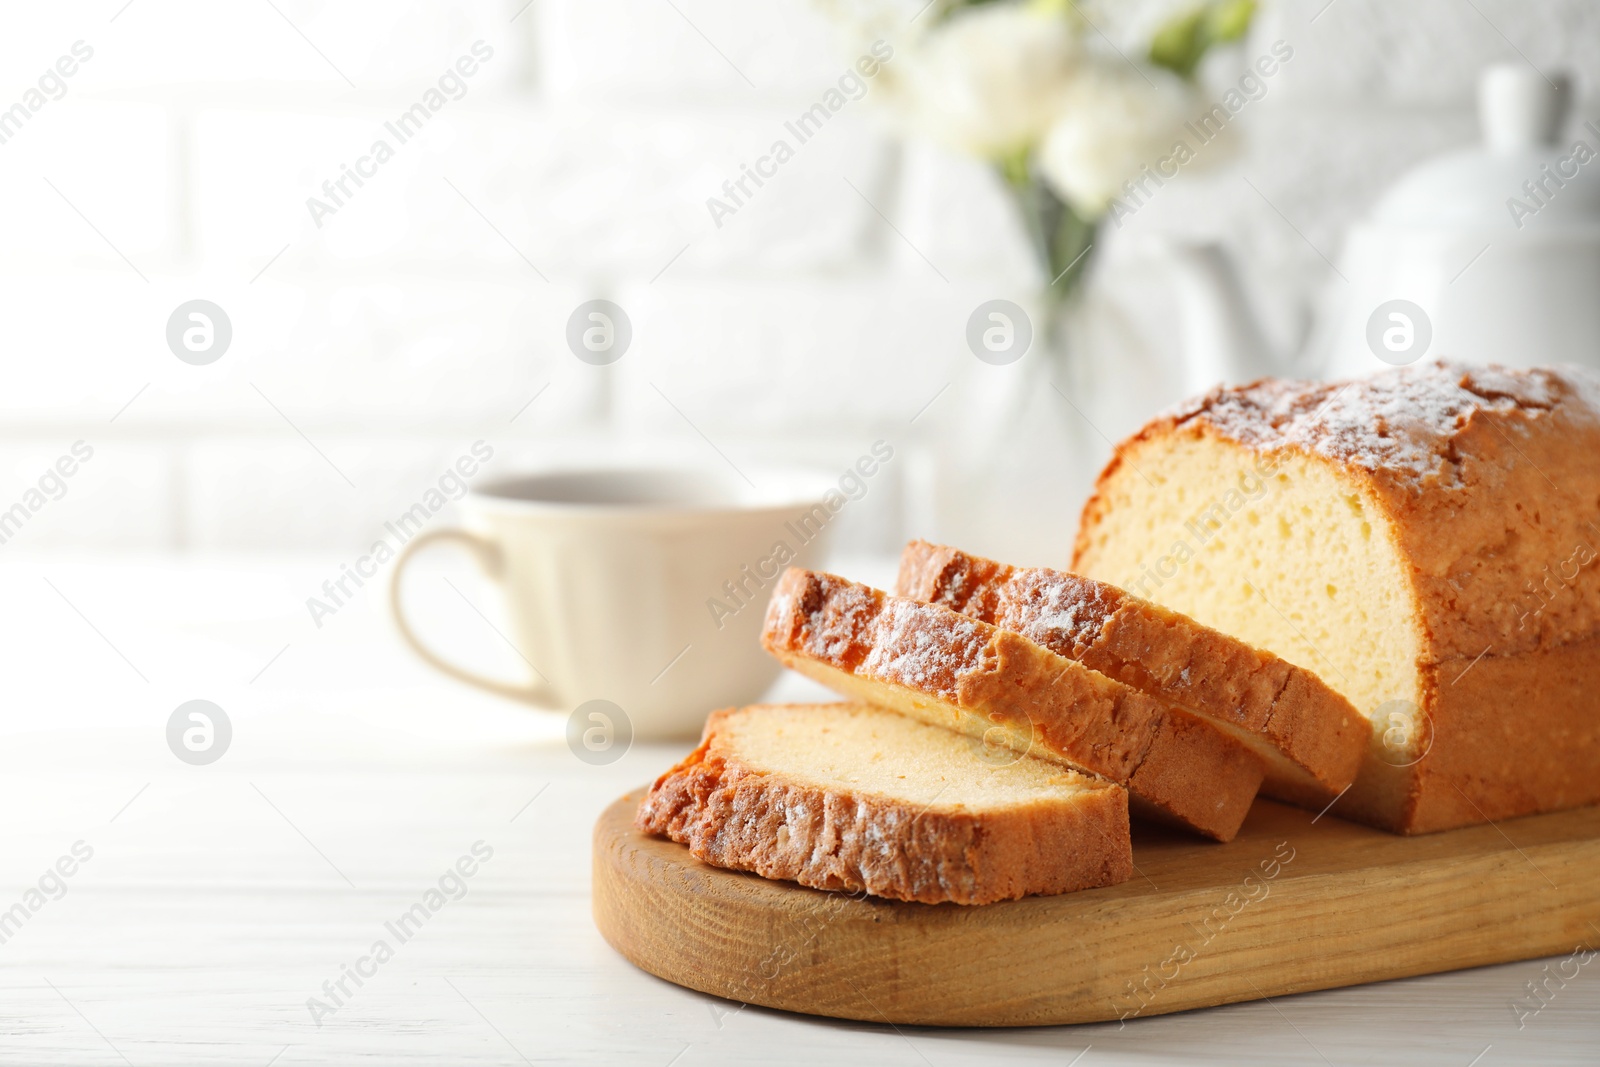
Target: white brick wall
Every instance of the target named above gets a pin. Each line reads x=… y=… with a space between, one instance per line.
x=305 y=46
x=710 y=48
x=1428 y=52
x=427 y=311
x=56 y=167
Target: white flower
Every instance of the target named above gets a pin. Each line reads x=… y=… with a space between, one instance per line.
x=987 y=81
x=1113 y=120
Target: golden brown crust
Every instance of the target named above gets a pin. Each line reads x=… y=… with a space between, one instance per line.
x=1513 y=735
x=957 y=672
x=743 y=818
x=1314 y=738
x=1489 y=481
x=1487 y=474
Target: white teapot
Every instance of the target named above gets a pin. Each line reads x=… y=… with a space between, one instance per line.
x=1487 y=254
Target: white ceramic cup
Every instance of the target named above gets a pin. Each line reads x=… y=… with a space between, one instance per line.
x=641 y=587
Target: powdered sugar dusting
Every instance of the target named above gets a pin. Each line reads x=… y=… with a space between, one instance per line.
x=923 y=647
x=1053 y=608
x=1402 y=421
x=833 y=632
x=780 y=606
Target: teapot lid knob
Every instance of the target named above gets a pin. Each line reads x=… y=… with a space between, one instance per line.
x=1520 y=108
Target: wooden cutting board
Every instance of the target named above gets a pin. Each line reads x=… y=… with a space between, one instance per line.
x=1294 y=903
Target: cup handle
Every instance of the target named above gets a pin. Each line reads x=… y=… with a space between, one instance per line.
x=489 y=558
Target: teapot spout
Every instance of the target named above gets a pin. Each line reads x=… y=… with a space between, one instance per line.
x=1222 y=341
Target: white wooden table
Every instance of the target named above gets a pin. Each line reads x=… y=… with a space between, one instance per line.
x=220 y=898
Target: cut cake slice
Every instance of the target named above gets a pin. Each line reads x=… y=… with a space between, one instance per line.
x=1423 y=538
x=944 y=668
x=1310 y=738
x=850 y=797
